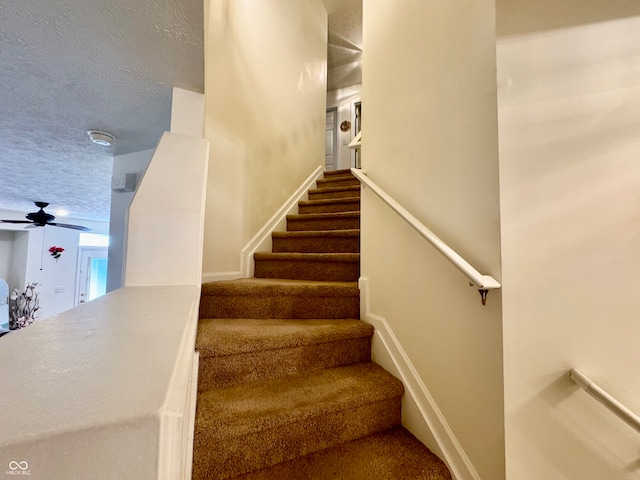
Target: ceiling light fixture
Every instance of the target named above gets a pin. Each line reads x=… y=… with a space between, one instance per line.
x=101 y=138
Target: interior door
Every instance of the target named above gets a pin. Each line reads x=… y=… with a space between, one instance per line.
x=331 y=140
x=4 y=305
x=92 y=274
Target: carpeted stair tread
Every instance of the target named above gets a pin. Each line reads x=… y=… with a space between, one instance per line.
x=242 y=428
x=279 y=298
x=324 y=216
x=334 y=192
x=329 y=205
x=349 y=232
x=244 y=409
x=324 y=221
x=308 y=257
x=236 y=351
x=277 y=287
x=317 y=241
x=337 y=181
x=394 y=454
x=231 y=336
x=343 y=267
x=335 y=173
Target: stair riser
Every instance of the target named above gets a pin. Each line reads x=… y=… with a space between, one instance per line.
x=317 y=245
x=294 y=306
x=315 y=224
x=320 y=195
x=338 y=173
x=303 y=270
x=338 y=182
x=218 y=372
x=218 y=460
x=331 y=208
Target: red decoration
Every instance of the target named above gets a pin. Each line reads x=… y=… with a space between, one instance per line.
x=56 y=252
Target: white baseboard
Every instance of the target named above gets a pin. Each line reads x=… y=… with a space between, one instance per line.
x=421 y=415
x=218 y=276
x=261 y=241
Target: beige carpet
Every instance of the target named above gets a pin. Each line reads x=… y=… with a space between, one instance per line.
x=286 y=387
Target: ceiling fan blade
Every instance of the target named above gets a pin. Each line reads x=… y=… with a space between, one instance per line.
x=74 y=227
x=16 y=221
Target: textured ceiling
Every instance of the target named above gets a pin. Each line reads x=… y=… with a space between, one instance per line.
x=344 y=55
x=70 y=65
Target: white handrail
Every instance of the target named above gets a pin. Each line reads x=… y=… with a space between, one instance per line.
x=482 y=282
x=357 y=141
x=605 y=399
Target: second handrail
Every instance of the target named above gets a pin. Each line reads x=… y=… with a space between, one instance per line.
x=605 y=399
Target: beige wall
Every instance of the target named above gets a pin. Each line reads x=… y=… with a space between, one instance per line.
x=265 y=89
x=430 y=140
x=569 y=116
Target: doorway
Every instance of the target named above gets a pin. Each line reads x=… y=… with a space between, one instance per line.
x=331 y=139
x=92 y=273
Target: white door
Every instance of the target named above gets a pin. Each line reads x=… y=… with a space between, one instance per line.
x=92 y=274
x=4 y=305
x=331 y=144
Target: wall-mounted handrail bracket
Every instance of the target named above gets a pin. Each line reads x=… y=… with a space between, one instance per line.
x=483 y=295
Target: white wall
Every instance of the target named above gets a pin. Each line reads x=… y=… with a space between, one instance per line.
x=344 y=100
x=265 y=90
x=166 y=217
x=569 y=111
x=137 y=164
x=431 y=143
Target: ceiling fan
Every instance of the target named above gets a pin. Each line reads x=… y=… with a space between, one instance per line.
x=42 y=218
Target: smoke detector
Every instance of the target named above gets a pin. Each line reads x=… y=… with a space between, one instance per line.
x=101 y=138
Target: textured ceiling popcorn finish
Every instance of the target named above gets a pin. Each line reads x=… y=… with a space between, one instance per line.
x=68 y=66
x=344 y=55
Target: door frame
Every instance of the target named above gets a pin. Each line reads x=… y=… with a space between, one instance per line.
x=82 y=276
x=335 y=136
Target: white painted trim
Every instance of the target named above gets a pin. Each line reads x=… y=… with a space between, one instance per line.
x=387 y=347
x=261 y=241
x=219 y=276
x=187 y=467
x=177 y=416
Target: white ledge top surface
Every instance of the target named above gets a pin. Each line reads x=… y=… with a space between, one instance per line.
x=105 y=362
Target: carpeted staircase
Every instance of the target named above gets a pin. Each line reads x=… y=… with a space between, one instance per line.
x=286 y=387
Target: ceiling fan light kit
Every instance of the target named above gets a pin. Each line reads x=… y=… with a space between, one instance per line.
x=101 y=138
